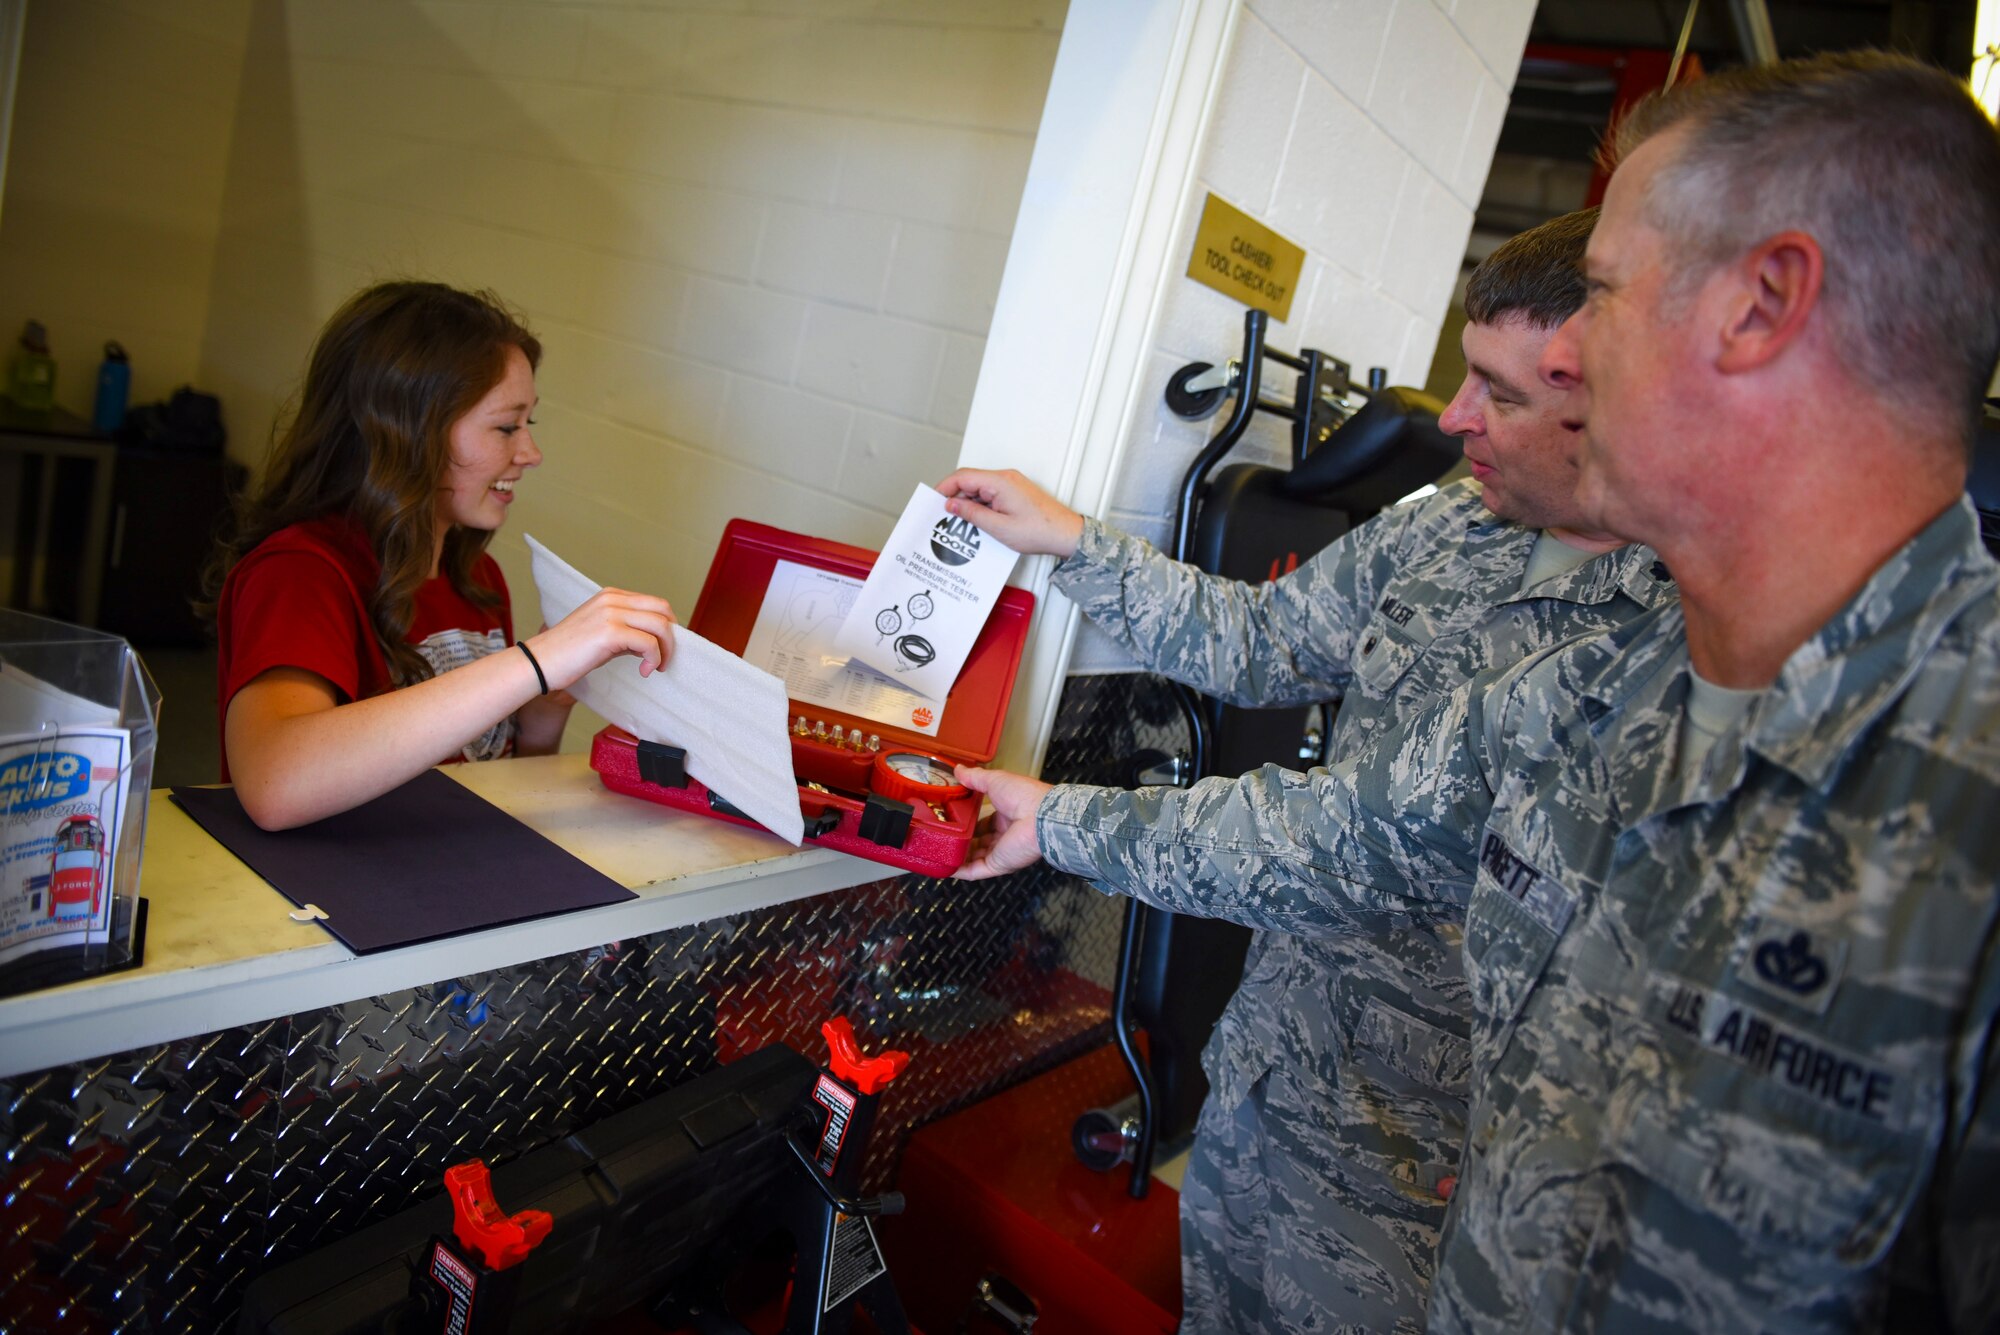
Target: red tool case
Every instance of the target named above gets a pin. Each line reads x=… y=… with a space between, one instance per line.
x=909 y=835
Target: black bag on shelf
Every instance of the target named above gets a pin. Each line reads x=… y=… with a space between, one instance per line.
x=190 y=421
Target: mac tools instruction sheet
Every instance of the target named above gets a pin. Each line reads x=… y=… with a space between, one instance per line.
x=793 y=640
x=923 y=604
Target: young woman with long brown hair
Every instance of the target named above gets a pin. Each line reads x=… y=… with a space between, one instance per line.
x=364 y=633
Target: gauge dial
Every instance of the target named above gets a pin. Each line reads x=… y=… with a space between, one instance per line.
x=912 y=776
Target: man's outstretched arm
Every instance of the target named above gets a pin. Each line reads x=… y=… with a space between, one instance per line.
x=1288 y=640
x=1391 y=833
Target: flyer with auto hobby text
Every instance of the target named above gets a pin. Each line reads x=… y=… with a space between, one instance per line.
x=65 y=767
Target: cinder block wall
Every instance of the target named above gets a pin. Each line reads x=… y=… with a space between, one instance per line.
x=1363 y=131
x=760 y=240
x=115 y=172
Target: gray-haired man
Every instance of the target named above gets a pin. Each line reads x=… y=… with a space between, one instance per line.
x=1331 y=1134
x=1732 y=932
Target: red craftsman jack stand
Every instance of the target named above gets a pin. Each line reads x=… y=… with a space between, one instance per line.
x=470 y=1278
x=838 y=1265
x=840 y=1262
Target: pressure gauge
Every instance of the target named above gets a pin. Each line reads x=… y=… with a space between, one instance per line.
x=912 y=776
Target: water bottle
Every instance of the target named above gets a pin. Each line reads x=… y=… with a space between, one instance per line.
x=31 y=375
x=114 y=386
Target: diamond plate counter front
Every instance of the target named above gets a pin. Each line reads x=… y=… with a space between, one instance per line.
x=144 y=1190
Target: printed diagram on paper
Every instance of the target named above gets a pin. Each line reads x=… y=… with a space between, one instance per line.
x=922 y=608
x=793 y=640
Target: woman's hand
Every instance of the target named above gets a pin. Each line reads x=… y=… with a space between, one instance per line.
x=298 y=754
x=612 y=622
x=1014 y=510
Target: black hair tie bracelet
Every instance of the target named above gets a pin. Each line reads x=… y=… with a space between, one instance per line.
x=522 y=645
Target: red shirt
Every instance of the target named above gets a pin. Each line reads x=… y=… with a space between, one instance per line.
x=299 y=599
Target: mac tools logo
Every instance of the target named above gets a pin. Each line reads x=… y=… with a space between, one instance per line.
x=954 y=541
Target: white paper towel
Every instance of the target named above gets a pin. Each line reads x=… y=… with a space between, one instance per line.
x=731 y=718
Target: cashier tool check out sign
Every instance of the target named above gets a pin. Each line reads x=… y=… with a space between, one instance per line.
x=925 y=601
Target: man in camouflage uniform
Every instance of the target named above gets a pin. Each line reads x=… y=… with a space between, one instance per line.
x=1336 y=1109
x=1732 y=933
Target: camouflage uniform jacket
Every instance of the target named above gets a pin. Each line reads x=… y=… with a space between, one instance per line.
x=1387 y=619
x=1733 y=1058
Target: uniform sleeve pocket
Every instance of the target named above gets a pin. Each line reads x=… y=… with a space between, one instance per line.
x=1810 y=1184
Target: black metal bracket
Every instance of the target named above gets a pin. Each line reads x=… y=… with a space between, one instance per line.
x=886 y=821
x=1319 y=402
x=889 y=1202
x=1318 y=406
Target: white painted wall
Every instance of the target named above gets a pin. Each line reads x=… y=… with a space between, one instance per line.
x=760 y=241
x=1362 y=130
x=764 y=239
x=13 y=23
x=116 y=155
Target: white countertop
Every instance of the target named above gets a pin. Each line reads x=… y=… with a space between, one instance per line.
x=222 y=948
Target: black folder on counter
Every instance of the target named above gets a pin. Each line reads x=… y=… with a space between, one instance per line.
x=428 y=860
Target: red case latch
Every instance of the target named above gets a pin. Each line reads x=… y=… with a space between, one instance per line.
x=482 y=1228
x=867 y=1075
